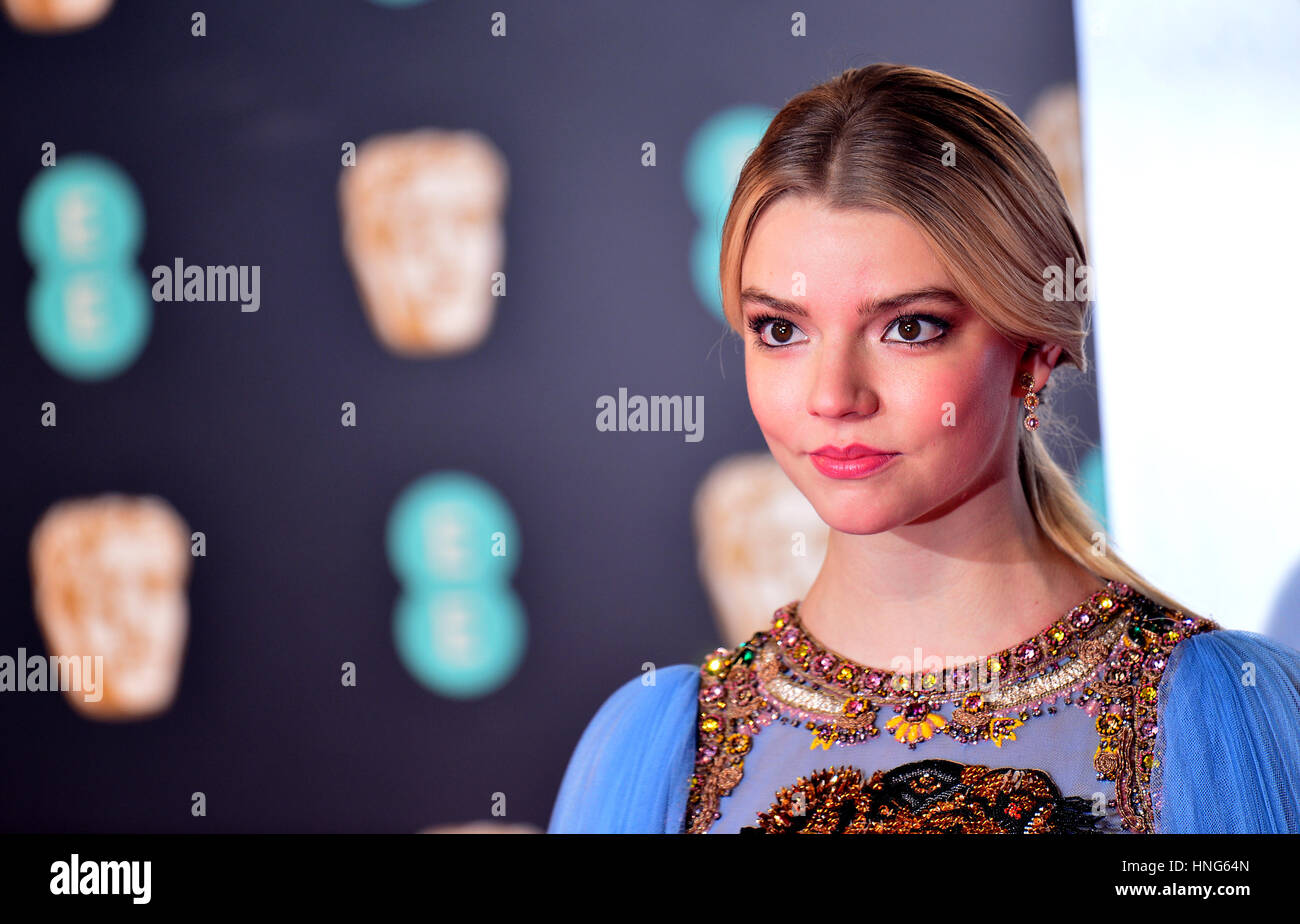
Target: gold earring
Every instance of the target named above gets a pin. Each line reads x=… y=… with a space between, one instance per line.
x=1031 y=400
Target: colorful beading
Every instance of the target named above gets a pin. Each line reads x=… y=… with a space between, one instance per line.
x=929 y=796
x=1110 y=650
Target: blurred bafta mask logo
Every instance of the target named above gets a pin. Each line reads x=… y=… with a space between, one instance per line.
x=56 y=15
x=422 y=231
x=109 y=578
x=760 y=542
x=1054 y=121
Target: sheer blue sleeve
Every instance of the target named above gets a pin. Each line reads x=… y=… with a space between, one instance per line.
x=630 y=773
x=1228 y=737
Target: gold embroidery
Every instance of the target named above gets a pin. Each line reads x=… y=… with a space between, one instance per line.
x=1123 y=700
x=930 y=796
x=1111 y=650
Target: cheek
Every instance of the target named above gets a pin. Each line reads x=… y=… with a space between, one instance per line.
x=957 y=412
x=771 y=400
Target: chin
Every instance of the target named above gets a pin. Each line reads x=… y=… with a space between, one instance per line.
x=858 y=525
x=858 y=518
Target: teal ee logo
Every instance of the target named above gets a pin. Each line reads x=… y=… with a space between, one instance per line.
x=88 y=311
x=712 y=165
x=1091 y=481
x=453 y=543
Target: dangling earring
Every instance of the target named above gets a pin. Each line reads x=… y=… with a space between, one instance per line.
x=1031 y=400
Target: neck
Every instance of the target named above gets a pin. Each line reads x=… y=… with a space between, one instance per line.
x=967 y=582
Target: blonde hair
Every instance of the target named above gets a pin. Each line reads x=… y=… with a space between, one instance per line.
x=967 y=173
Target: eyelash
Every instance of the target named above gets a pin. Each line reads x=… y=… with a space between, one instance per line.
x=758 y=322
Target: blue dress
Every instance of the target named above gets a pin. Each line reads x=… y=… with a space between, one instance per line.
x=1121 y=716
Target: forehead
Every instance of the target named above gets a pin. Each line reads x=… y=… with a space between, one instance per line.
x=840 y=252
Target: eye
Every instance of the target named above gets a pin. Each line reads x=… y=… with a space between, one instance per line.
x=782 y=331
x=912 y=329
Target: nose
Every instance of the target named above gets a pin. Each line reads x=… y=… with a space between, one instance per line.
x=840 y=386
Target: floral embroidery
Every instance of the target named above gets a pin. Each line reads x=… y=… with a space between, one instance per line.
x=917 y=722
x=1109 y=650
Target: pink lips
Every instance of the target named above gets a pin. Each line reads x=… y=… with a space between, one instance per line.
x=853 y=461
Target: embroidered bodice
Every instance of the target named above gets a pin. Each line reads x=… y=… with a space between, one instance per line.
x=793 y=737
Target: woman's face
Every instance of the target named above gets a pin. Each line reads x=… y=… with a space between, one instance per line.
x=928 y=381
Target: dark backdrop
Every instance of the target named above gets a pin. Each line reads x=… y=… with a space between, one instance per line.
x=233 y=143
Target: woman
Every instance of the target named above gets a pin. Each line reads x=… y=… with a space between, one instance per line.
x=971 y=657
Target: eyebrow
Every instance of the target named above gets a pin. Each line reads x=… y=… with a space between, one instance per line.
x=867 y=307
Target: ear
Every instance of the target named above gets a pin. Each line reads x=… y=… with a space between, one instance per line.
x=1038 y=361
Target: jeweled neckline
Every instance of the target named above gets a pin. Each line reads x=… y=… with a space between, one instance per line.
x=802 y=653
